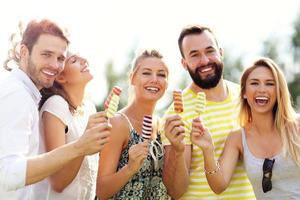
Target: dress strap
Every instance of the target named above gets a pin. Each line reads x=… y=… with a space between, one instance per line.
x=125 y=116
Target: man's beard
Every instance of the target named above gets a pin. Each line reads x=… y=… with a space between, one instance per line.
x=210 y=81
x=34 y=75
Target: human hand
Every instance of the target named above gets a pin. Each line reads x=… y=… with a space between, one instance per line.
x=97 y=118
x=94 y=138
x=200 y=135
x=137 y=154
x=174 y=131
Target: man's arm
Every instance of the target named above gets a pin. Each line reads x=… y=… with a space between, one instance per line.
x=41 y=166
x=176 y=170
x=177 y=157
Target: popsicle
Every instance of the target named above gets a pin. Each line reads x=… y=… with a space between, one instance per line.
x=147 y=127
x=177 y=100
x=200 y=102
x=112 y=102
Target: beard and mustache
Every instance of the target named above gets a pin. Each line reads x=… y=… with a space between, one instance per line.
x=211 y=80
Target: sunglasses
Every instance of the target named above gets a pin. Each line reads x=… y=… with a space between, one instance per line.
x=267 y=175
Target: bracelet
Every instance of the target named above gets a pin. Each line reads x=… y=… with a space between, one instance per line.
x=213 y=171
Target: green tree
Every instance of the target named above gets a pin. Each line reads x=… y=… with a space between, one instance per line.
x=233 y=67
x=294 y=85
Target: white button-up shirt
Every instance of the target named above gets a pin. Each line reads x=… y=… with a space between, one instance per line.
x=19 y=133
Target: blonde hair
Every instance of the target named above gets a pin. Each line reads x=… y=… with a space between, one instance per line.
x=143 y=54
x=285 y=117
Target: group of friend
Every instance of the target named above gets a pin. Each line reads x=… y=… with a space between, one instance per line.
x=54 y=145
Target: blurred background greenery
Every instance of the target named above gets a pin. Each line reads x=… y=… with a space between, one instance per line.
x=287 y=57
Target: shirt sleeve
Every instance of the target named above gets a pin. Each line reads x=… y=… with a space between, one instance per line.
x=57 y=106
x=16 y=122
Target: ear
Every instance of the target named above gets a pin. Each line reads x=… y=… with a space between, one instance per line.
x=244 y=96
x=221 y=50
x=184 y=64
x=24 y=54
x=131 y=78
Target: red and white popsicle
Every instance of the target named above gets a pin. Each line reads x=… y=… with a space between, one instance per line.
x=112 y=101
x=147 y=127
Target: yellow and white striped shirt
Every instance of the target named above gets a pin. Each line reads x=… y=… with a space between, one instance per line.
x=220 y=118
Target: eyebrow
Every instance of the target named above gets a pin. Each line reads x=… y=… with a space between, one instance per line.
x=149 y=69
x=48 y=51
x=255 y=79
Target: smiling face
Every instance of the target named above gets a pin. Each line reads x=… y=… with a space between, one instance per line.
x=202 y=59
x=150 y=79
x=76 y=71
x=260 y=90
x=46 y=60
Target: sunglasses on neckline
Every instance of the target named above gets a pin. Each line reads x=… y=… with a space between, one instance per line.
x=267 y=175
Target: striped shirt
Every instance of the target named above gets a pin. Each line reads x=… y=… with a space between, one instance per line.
x=220 y=118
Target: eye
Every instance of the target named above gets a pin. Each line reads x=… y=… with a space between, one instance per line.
x=146 y=73
x=253 y=83
x=46 y=54
x=61 y=58
x=162 y=75
x=211 y=51
x=270 y=83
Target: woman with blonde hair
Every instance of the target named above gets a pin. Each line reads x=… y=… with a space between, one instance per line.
x=268 y=142
x=131 y=167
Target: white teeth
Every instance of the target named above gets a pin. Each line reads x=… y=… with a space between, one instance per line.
x=85 y=69
x=154 y=89
x=261 y=98
x=49 y=73
x=206 y=69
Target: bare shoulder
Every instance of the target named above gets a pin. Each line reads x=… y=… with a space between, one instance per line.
x=120 y=125
x=118 y=121
x=235 y=139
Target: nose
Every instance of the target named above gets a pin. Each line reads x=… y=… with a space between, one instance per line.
x=83 y=61
x=56 y=64
x=203 y=60
x=261 y=88
x=154 y=78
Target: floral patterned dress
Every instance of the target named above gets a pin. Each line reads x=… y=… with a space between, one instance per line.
x=147 y=183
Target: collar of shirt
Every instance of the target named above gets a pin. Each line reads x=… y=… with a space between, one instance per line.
x=29 y=85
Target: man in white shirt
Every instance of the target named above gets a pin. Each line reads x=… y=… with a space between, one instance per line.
x=42 y=54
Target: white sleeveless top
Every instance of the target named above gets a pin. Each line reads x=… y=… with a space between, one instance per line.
x=83 y=187
x=285 y=175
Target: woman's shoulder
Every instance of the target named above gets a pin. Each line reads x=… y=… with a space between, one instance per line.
x=119 y=122
x=56 y=99
x=55 y=102
x=235 y=138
